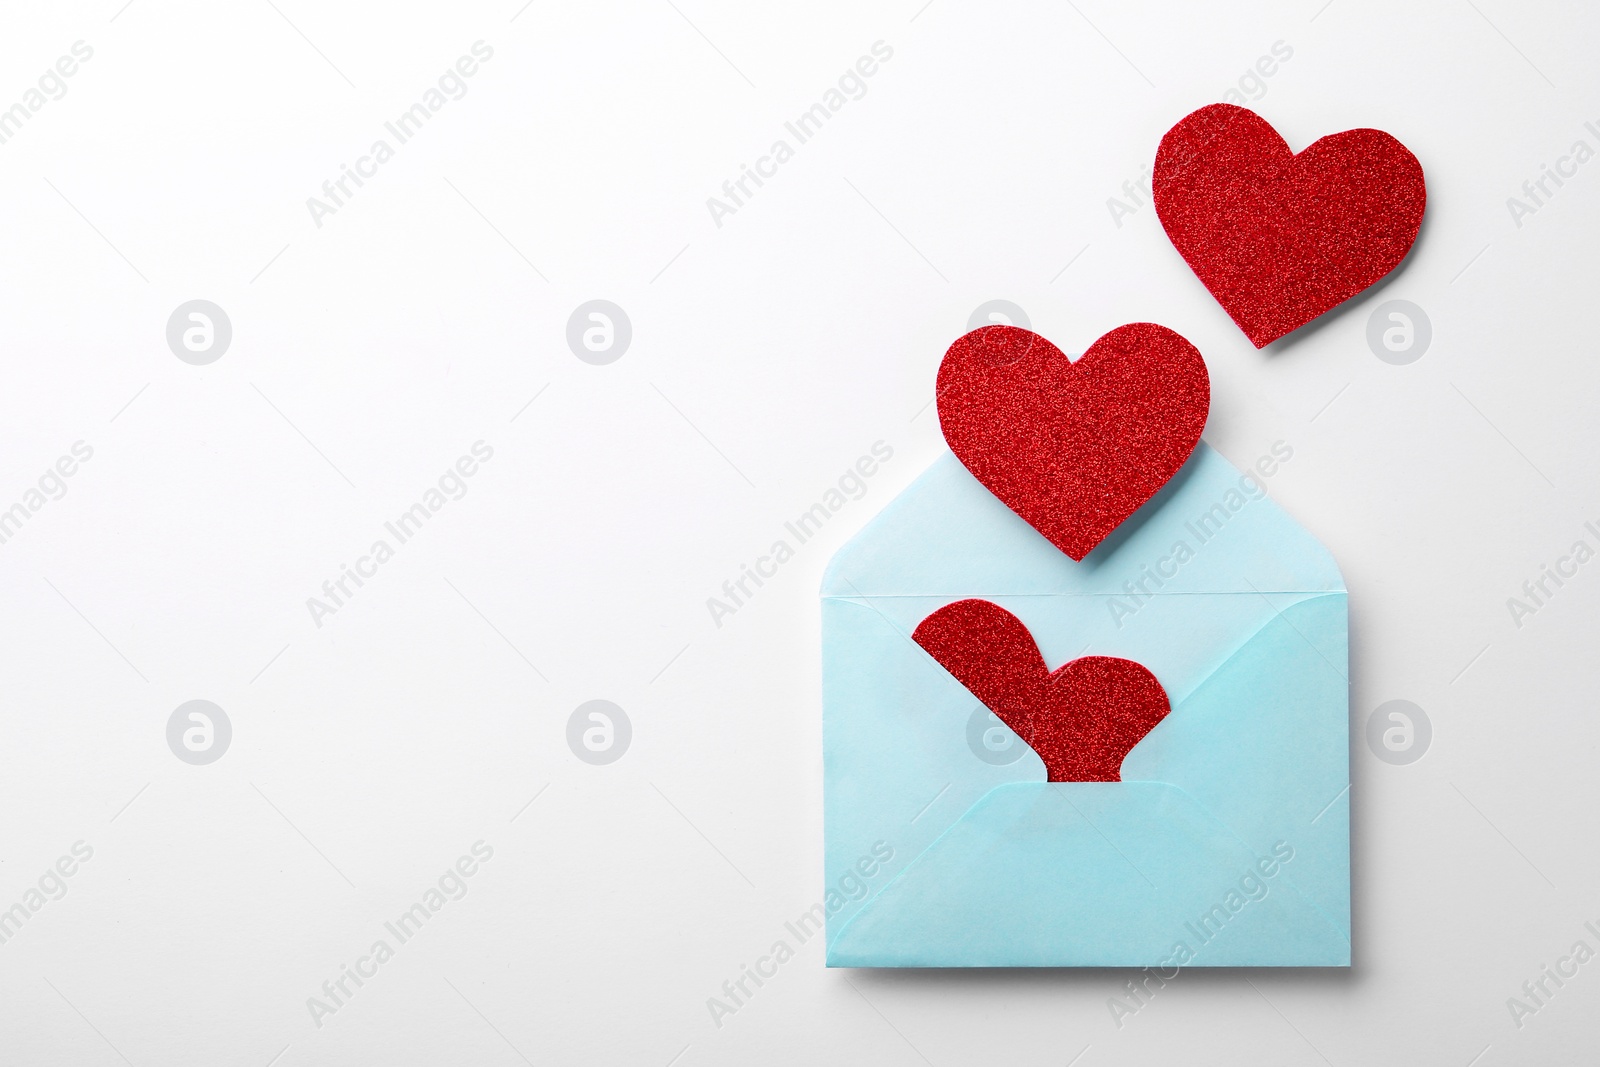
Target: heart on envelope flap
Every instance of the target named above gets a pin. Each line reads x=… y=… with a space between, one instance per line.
x=1280 y=238
x=1073 y=447
x=1081 y=718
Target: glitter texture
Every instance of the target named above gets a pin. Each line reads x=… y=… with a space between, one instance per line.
x=1081 y=719
x=1073 y=448
x=1280 y=238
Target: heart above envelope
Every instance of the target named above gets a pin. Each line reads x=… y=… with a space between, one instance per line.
x=1081 y=718
x=1280 y=238
x=1073 y=447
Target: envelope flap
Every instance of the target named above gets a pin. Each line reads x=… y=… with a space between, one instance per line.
x=1263 y=744
x=948 y=535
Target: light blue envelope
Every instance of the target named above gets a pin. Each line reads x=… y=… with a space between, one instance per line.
x=1226 y=843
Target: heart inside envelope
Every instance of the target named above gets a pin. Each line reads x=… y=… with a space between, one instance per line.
x=1082 y=718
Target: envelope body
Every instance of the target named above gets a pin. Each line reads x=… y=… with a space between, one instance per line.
x=1226 y=843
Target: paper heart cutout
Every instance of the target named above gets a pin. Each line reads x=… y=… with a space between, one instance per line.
x=1280 y=238
x=1073 y=448
x=1082 y=718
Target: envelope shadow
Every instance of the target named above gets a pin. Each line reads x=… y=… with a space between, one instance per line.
x=1108 y=981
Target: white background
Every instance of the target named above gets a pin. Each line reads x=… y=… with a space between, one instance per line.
x=768 y=354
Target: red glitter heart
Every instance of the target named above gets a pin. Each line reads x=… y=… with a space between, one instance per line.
x=1280 y=238
x=1081 y=719
x=1073 y=448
